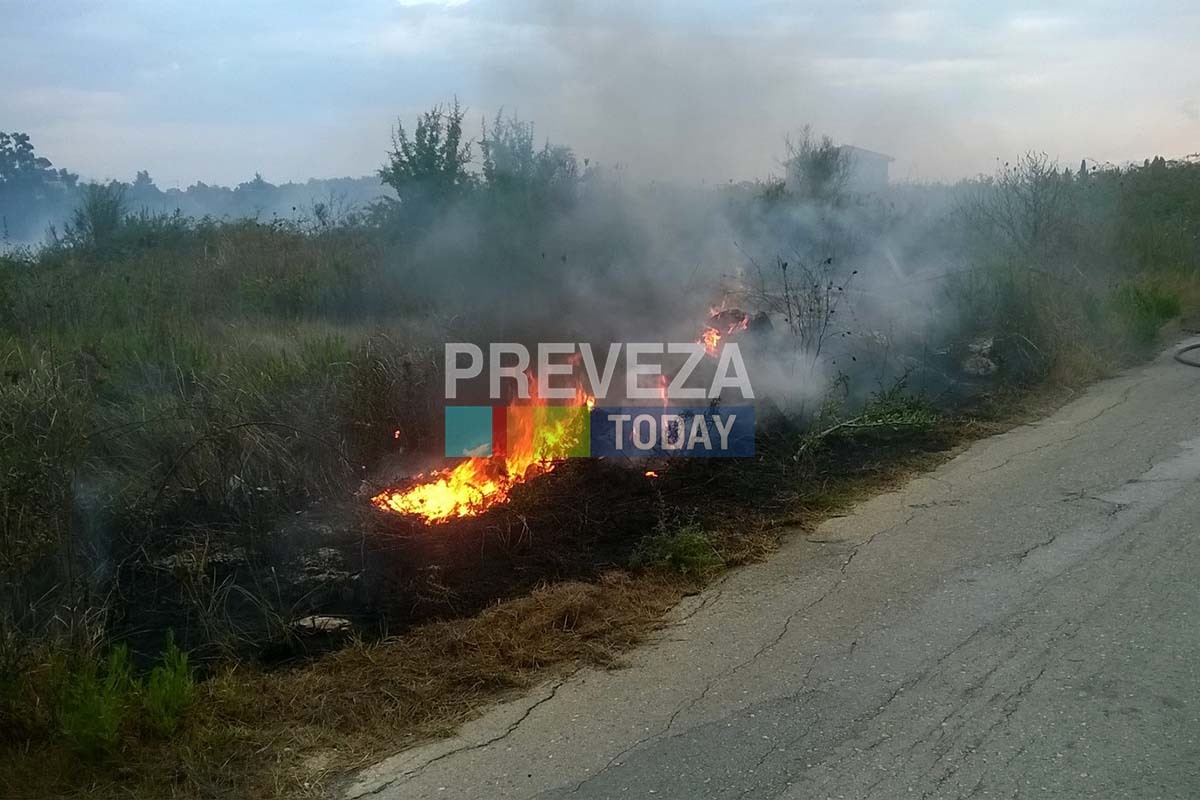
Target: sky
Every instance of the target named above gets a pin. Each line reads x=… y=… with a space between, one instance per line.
x=682 y=90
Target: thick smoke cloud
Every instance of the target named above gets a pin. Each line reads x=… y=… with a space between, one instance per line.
x=704 y=91
x=295 y=89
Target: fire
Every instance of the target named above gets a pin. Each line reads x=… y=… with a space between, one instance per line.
x=722 y=322
x=710 y=339
x=479 y=483
x=459 y=492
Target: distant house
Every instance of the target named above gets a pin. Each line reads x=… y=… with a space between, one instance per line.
x=867 y=170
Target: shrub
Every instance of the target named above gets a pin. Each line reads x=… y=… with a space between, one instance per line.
x=687 y=550
x=817 y=169
x=895 y=407
x=169 y=691
x=97 y=220
x=1144 y=308
x=97 y=702
x=94 y=702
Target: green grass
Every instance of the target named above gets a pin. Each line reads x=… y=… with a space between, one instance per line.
x=101 y=703
x=687 y=550
x=1144 y=307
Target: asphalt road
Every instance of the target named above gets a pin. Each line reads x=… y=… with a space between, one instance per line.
x=1023 y=621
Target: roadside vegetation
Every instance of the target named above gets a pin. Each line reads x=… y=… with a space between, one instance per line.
x=193 y=411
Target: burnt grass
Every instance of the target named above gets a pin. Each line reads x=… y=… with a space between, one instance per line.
x=451 y=617
x=233 y=593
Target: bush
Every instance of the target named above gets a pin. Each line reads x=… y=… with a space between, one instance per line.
x=1143 y=308
x=817 y=169
x=97 y=220
x=94 y=703
x=98 y=702
x=687 y=550
x=170 y=690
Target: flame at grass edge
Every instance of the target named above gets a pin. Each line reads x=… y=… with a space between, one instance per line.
x=534 y=444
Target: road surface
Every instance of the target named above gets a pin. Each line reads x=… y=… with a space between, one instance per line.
x=1024 y=621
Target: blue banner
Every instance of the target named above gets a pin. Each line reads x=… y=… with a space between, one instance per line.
x=683 y=431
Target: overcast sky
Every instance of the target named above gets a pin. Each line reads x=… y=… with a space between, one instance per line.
x=215 y=90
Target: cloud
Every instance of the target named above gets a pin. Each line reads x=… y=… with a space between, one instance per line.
x=692 y=89
x=46 y=102
x=1039 y=24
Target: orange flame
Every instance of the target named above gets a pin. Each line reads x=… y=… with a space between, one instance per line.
x=479 y=483
x=722 y=322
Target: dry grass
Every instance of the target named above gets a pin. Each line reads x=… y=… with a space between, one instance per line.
x=283 y=733
x=296 y=732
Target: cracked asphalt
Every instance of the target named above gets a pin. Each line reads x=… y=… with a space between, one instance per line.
x=1024 y=621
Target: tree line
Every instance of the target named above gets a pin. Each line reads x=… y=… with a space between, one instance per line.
x=34 y=195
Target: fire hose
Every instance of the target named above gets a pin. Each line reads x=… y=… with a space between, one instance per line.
x=1180 y=352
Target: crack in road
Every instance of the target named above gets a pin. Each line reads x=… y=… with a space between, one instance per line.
x=508 y=731
x=1011 y=704
x=930 y=673
x=1077 y=430
x=1075 y=427
x=762 y=650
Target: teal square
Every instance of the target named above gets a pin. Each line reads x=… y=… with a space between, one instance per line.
x=468 y=431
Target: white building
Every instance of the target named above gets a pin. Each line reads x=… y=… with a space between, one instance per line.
x=867 y=171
